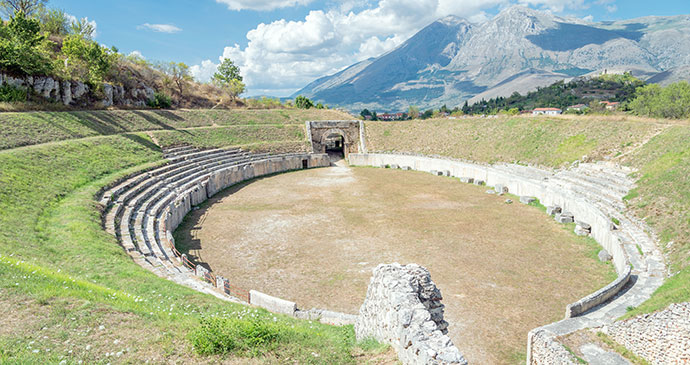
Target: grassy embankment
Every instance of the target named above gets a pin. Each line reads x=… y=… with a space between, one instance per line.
x=660 y=150
x=69 y=292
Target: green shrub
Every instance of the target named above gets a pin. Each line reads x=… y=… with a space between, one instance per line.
x=87 y=60
x=160 y=101
x=245 y=337
x=303 y=102
x=9 y=93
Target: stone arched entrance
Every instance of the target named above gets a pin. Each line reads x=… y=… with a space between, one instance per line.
x=337 y=135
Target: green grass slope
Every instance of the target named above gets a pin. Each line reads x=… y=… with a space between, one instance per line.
x=659 y=150
x=22 y=129
x=69 y=292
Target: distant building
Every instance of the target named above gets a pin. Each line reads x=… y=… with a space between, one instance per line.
x=611 y=105
x=547 y=111
x=578 y=107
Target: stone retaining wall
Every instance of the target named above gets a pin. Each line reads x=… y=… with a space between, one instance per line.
x=403 y=308
x=545 y=349
x=660 y=338
x=599 y=297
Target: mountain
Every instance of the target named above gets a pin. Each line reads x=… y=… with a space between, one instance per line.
x=453 y=60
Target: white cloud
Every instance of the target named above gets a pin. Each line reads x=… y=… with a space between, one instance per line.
x=161 y=28
x=612 y=8
x=204 y=71
x=556 y=5
x=588 y=18
x=136 y=54
x=261 y=4
x=286 y=55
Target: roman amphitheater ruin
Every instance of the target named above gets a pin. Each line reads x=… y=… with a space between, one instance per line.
x=403 y=305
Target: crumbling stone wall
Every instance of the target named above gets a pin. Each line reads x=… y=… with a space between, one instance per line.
x=403 y=308
x=660 y=338
x=544 y=349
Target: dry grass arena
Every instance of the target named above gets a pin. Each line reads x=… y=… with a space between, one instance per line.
x=314 y=236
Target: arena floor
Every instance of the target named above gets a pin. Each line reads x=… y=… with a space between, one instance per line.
x=314 y=237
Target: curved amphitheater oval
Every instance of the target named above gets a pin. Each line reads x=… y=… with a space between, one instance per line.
x=142 y=209
x=314 y=237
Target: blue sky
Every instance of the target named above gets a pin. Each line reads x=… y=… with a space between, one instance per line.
x=281 y=45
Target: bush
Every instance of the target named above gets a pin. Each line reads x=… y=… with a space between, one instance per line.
x=303 y=102
x=87 y=60
x=672 y=101
x=9 y=94
x=160 y=101
x=245 y=337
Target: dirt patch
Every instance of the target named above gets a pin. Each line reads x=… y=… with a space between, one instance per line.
x=315 y=236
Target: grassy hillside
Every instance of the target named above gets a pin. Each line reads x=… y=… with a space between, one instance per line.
x=660 y=150
x=21 y=129
x=552 y=142
x=74 y=294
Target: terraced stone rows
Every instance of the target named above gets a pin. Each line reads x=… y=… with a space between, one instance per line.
x=137 y=209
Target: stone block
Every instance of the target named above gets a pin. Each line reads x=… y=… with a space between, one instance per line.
x=509 y=201
x=583 y=225
x=446 y=173
x=467 y=180
x=552 y=210
x=200 y=271
x=434 y=172
x=500 y=188
x=273 y=304
x=527 y=199
x=394 y=166
x=479 y=182
x=406 y=168
x=581 y=232
x=565 y=217
x=604 y=256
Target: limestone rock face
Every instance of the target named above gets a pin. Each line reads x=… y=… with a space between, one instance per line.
x=77 y=93
x=403 y=308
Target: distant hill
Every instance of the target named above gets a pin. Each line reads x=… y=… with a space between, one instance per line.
x=581 y=90
x=453 y=60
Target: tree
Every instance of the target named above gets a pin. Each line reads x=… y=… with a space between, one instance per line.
x=53 y=21
x=86 y=59
x=228 y=78
x=364 y=113
x=28 y=7
x=178 y=73
x=303 y=102
x=672 y=101
x=227 y=71
x=82 y=27
x=23 y=49
x=413 y=112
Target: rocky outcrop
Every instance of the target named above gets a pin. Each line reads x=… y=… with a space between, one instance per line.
x=403 y=308
x=77 y=93
x=660 y=338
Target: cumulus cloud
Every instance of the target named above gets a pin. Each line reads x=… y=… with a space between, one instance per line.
x=136 y=54
x=556 y=6
x=161 y=28
x=261 y=4
x=286 y=55
x=204 y=71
